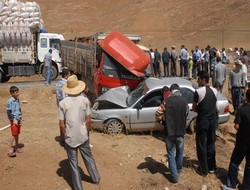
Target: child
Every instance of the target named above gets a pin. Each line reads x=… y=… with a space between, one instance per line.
x=190 y=67
x=15 y=116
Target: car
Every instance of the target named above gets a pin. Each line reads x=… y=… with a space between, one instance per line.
x=120 y=110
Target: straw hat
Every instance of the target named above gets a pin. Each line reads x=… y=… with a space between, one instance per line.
x=73 y=86
x=239 y=62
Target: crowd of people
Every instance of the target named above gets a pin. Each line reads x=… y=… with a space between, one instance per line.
x=74 y=114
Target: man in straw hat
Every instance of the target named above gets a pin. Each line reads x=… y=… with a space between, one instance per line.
x=74 y=119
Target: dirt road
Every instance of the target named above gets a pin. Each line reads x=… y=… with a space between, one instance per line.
x=135 y=161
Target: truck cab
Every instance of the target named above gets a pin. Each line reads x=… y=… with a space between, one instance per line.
x=119 y=62
x=46 y=41
x=27 y=59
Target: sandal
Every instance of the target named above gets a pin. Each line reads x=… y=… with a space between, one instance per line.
x=11 y=154
x=19 y=150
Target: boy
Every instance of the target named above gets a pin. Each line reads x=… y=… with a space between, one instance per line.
x=15 y=116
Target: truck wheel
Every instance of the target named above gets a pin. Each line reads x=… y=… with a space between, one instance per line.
x=114 y=127
x=6 y=78
x=54 y=72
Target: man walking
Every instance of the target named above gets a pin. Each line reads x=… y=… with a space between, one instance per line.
x=241 y=149
x=47 y=63
x=75 y=109
x=60 y=95
x=206 y=123
x=165 y=60
x=236 y=84
x=176 y=107
x=220 y=73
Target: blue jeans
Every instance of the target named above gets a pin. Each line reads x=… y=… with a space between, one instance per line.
x=240 y=151
x=48 y=74
x=175 y=162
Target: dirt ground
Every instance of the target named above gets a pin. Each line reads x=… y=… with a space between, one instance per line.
x=125 y=162
x=135 y=161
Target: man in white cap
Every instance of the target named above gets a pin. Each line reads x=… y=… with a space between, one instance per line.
x=74 y=120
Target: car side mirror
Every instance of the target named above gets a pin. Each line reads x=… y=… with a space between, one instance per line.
x=138 y=106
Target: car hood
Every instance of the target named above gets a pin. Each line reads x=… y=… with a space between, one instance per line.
x=116 y=95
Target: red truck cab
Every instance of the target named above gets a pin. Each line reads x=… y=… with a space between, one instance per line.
x=119 y=62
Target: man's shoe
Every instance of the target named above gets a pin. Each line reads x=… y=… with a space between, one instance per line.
x=224 y=187
x=198 y=171
x=213 y=171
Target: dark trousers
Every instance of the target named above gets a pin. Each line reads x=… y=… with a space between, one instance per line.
x=166 y=69
x=157 y=68
x=240 y=151
x=173 y=68
x=236 y=97
x=205 y=144
x=183 y=67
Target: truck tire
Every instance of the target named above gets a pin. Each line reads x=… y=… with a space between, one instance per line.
x=53 y=70
x=6 y=78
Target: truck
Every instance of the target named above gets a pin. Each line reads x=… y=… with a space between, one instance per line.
x=24 y=41
x=107 y=60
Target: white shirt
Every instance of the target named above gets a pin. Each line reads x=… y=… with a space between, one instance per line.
x=74 y=109
x=244 y=70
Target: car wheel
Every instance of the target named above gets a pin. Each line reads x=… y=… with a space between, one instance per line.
x=114 y=127
x=192 y=127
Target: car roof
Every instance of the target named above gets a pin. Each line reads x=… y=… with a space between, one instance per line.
x=153 y=83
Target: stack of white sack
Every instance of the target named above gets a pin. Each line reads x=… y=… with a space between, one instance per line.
x=18 y=21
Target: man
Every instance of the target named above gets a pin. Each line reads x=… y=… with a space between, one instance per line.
x=241 y=149
x=174 y=58
x=75 y=109
x=165 y=60
x=236 y=53
x=47 y=63
x=206 y=123
x=236 y=85
x=220 y=73
x=245 y=59
x=157 y=62
x=60 y=95
x=183 y=61
x=176 y=107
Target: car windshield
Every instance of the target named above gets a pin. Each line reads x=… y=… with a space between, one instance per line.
x=140 y=90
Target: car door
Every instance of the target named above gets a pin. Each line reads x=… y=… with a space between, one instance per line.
x=142 y=117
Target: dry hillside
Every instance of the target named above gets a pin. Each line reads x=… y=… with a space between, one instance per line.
x=160 y=22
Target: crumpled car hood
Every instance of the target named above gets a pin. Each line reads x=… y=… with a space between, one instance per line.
x=116 y=95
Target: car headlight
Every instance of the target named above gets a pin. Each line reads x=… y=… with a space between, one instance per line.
x=94 y=115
